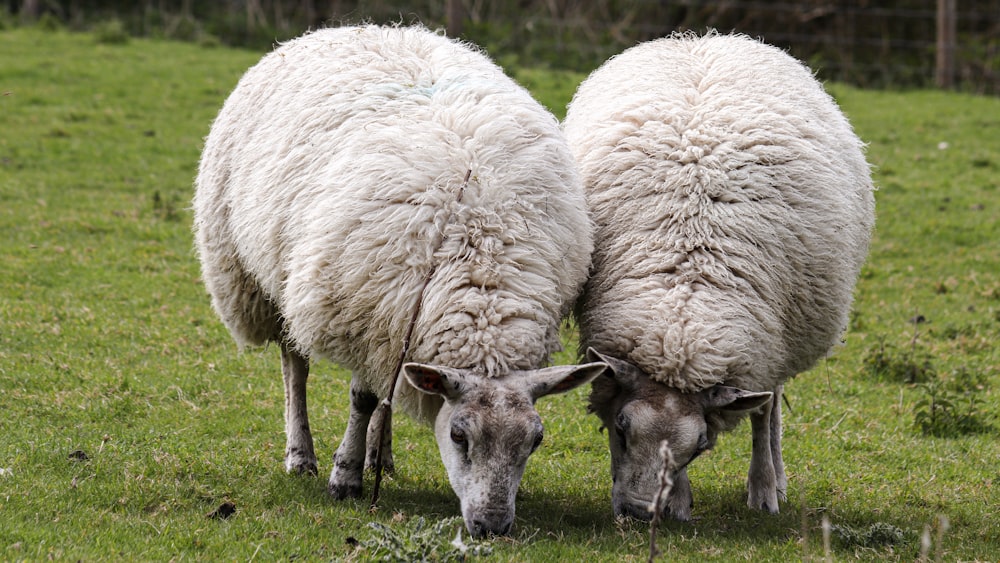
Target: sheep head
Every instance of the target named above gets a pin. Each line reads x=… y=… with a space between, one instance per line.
x=487 y=429
x=640 y=413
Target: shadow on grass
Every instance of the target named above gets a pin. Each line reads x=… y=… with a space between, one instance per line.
x=721 y=518
x=400 y=492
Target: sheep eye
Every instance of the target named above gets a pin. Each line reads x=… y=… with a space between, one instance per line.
x=538 y=442
x=621 y=425
x=701 y=448
x=702 y=443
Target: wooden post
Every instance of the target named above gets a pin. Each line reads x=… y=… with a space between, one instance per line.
x=946 y=29
x=455 y=17
x=30 y=10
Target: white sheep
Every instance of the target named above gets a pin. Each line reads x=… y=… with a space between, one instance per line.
x=353 y=169
x=734 y=208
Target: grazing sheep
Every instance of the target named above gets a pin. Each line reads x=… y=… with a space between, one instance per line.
x=361 y=177
x=734 y=209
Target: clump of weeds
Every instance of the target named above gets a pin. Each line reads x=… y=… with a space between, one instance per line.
x=899 y=365
x=879 y=534
x=949 y=405
x=953 y=407
x=420 y=541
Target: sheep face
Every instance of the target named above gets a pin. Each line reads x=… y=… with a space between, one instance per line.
x=640 y=414
x=486 y=430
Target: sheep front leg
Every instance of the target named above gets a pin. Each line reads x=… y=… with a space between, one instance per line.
x=781 y=479
x=299 y=454
x=761 y=481
x=349 y=461
x=381 y=419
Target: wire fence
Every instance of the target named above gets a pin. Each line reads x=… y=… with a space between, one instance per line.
x=870 y=43
x=867 y=43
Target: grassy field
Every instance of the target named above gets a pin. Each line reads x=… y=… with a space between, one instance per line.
x=128 y=418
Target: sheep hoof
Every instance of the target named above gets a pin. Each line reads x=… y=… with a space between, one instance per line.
x=763 y=501
x=371 y=456
x=301 y=466
x=345 y=479
x=344 y=491
x=770 y=508
x=304 y=469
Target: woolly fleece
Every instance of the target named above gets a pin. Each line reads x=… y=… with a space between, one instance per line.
x=733 y=206
x=330 y=177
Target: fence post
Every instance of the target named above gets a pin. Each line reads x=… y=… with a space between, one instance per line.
x=454 y=17
x=945 y=68
x=30 y=10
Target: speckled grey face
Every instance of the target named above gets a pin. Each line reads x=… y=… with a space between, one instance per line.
x=487 y=429
x=639 y=415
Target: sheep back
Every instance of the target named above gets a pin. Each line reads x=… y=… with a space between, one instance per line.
x=328 y=190
x=733 y=207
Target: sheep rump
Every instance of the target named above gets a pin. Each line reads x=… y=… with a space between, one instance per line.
x=324 y=196
x=733 y=207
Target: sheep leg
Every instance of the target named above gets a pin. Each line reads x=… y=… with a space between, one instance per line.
x=779 y=465
x=299 y=454
x=349 y=461
x=382 y=418
x=680 y=500
x=761 y=481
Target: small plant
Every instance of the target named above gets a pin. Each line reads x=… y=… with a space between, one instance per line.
x=49 y=22
x=879 y=534
x=420 y=542
x=965 y=380
x=166 y=208
x=111 y=32
x=886 y=361
x=950 y=409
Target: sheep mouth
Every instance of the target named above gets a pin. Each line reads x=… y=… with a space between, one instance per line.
x=639 y=511
x=490 y=525
x=634 y=508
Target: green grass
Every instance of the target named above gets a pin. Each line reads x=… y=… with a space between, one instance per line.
x=108 y=346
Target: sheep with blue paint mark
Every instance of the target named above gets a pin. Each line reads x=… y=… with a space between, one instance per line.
x=359 y=176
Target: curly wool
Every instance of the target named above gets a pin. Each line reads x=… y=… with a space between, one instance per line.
x=328 y=190
x=733 y=205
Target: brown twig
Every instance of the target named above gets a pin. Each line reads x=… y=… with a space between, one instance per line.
x=386 y=405
x=666 y=484
x=827 y=553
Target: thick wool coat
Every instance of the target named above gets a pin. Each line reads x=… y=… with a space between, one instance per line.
x=733 y=207
x=328 y=190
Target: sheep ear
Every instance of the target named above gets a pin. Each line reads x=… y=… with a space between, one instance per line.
x=621 y=372
x=559 y=379
x=594 y=356
x=436 y=380
x=734 y=400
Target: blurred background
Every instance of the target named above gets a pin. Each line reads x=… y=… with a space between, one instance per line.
x=869 y=43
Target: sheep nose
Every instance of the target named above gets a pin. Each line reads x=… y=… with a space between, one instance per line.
x=482 y=527
x=634 y=510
